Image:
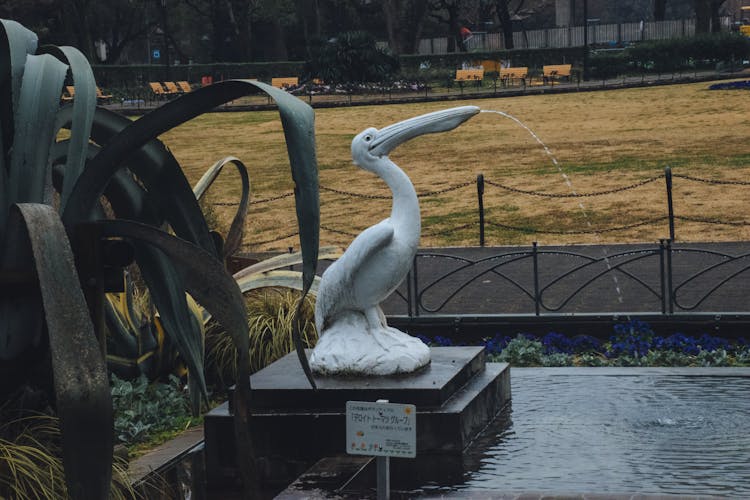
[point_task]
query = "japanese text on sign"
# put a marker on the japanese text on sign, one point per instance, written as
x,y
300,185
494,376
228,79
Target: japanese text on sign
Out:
x,y
381,429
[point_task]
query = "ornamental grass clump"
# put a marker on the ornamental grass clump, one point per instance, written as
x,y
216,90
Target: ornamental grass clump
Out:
x,y
271,316
31,466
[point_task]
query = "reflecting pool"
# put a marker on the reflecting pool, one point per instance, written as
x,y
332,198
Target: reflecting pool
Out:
x,y
618,430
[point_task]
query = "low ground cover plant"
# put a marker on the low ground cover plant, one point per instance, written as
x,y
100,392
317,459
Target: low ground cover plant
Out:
x,y
144,409
633,343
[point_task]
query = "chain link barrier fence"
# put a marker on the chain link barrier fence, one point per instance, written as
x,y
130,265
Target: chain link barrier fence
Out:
x,y
482,221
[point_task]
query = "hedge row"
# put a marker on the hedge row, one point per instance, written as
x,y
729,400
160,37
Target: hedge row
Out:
x,y
659,56
679,54
136,76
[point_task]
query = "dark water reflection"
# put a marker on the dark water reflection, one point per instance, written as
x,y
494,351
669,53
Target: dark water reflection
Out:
x,y
651,433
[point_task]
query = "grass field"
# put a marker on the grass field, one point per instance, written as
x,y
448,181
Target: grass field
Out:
x,y
601,140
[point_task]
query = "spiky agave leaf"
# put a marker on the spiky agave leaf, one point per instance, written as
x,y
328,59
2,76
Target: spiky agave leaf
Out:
x,y
298,123
27,181
34,242
83,113
16,42
206,279
234,236
82,395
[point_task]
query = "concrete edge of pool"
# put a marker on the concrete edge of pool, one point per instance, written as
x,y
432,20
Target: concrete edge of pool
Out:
x,y
159,460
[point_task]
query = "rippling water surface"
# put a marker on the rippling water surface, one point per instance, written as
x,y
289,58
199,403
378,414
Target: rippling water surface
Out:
x,y
650,433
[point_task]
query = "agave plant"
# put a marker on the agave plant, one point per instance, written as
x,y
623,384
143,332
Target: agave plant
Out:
x,y
61,204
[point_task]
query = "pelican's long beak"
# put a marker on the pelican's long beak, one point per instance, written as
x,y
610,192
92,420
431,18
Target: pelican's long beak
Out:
x,y
388,138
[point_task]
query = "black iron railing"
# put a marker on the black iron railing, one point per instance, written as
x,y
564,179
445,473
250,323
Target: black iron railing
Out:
x,y
708,280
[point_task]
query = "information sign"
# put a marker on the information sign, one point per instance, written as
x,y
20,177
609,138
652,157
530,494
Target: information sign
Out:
x,y
156,54
381,429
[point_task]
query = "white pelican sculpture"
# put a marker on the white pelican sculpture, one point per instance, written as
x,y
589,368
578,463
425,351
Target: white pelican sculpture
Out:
x,y
354,336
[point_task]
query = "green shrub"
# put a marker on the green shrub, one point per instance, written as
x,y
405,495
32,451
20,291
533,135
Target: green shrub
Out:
x,y
557,359
351,57
522,351
719,357
143,408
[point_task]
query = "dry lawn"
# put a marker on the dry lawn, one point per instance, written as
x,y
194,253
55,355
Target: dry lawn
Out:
x,y
601,141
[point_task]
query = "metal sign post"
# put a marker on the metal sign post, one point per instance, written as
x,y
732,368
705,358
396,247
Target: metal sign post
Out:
x,y
383,430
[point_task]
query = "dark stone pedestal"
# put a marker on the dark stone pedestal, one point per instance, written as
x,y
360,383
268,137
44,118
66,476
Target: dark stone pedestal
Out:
x,y
293,426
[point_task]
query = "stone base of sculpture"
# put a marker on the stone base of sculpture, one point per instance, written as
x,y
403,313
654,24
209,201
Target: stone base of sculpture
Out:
x,y
293,425
354,347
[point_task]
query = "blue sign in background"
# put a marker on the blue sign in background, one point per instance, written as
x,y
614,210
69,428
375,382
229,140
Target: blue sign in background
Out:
x,y
156,54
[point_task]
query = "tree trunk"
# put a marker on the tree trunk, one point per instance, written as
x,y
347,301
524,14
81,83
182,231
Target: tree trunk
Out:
x,y
715,18
702,15
279,44
78,12
503,14
454,27
404,20
660,9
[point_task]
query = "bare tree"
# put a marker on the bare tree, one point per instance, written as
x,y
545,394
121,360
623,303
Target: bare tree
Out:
x,y
660,9
404,21
506,10
707,15
452,9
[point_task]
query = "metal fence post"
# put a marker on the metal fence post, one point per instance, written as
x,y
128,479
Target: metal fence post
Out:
x,y
480,197
662,277
669,277
670,206
535,260
415,307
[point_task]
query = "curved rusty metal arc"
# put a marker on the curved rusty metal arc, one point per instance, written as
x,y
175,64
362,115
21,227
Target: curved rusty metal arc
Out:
x,y
83,400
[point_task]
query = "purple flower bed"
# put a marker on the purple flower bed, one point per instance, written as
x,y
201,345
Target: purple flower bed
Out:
x,y
741,85
634,340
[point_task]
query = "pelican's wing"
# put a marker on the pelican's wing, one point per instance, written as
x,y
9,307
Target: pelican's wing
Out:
x,y
337,280
369,242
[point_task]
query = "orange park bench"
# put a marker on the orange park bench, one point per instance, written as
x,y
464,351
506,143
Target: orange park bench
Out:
x,y
285,82
469,75
101,96
184,86
554,72
70,94
172,88
157,89
509,75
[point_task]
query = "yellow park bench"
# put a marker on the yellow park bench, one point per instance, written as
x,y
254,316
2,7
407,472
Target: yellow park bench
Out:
x,y
508,75
184,86
554,72
470,75
157,89
166,89
100,95
284,82
70,93
172,88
